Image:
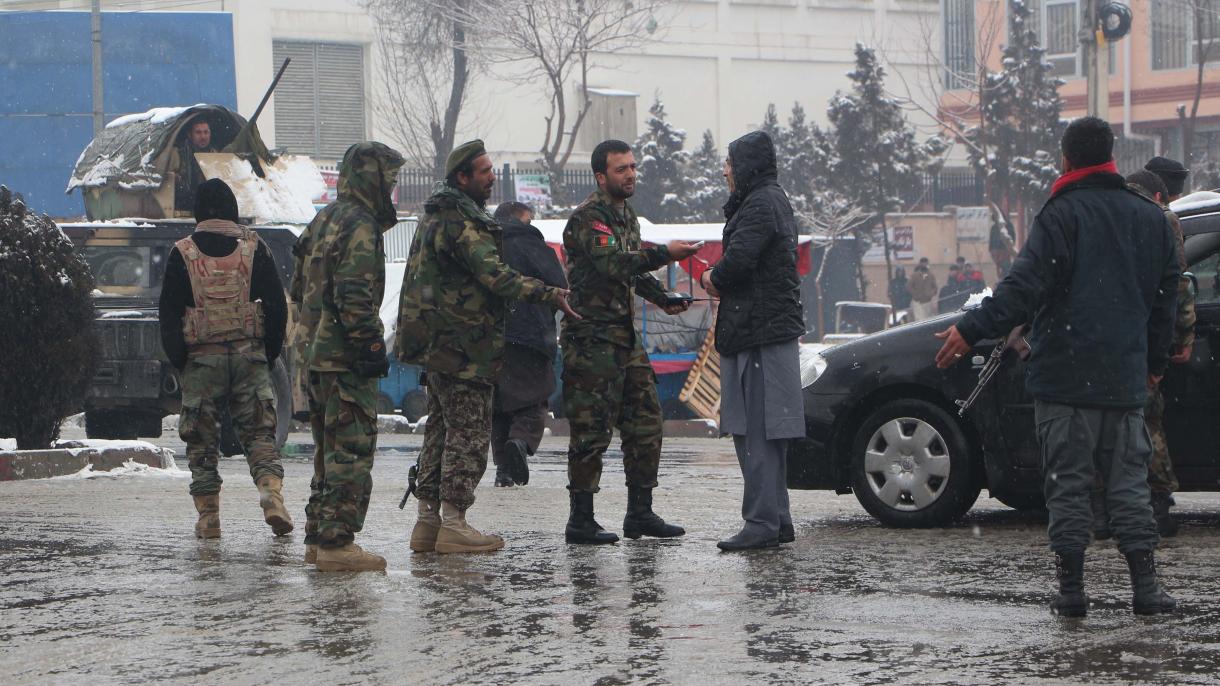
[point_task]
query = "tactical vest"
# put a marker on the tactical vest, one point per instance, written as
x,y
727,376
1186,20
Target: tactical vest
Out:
x,y
223,312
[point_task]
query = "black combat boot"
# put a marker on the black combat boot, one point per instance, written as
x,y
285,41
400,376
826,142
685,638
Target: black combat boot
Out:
x,y
787,533
582,528
1069,570
641,520
1148,596
1165,526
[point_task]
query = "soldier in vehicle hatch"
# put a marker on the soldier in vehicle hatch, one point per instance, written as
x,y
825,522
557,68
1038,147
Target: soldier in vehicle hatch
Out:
x,y
223,316
198,138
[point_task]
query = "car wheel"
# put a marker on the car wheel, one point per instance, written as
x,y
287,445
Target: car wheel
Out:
x,y
415,404
911,465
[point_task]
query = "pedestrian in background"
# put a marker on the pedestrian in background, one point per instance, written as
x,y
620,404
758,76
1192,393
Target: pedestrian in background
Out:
x,y
338,284
899,297
223,315
923,289
527,377
1098,278
759,321
950,298
455,298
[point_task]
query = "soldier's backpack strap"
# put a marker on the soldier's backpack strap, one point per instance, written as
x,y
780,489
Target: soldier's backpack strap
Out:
x,y
189,250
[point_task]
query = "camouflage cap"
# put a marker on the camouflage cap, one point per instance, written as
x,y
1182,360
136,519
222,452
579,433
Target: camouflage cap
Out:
x,y
463,154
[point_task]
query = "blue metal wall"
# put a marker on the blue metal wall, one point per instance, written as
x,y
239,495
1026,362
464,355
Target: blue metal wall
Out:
x,y
150,60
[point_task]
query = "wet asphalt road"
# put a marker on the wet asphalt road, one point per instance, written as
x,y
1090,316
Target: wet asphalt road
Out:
x,y
102,581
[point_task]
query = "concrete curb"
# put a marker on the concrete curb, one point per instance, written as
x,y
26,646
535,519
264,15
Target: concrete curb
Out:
x,y
18,465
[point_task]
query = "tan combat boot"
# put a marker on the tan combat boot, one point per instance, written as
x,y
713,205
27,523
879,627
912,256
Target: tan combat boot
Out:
x,y
272,502
311,554
349,558
456,536
427,526
208,525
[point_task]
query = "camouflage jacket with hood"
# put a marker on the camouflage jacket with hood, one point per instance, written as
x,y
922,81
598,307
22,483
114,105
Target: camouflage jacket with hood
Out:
x,y
606,262
339,276
452,310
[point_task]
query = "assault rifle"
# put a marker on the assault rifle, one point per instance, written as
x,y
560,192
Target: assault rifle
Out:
x,y
1015,341
411,474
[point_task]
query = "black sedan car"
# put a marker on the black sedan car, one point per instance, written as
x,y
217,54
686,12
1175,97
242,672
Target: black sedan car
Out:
x,y
882,421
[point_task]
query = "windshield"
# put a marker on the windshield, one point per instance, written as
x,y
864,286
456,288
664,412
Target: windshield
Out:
x,y
134,270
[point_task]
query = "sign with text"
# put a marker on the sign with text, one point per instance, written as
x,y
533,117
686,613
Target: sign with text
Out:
x,y
331,178
973,223
902,245
534,189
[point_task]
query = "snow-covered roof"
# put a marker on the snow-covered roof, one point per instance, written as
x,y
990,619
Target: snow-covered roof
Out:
x,y
613,92
124,152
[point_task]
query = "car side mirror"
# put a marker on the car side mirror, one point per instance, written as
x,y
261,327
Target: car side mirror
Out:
x,y
1194,284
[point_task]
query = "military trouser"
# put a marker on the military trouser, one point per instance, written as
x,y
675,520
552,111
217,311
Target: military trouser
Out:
x,y
343,418
1161,478
1077,442
606,386
242,381
454,455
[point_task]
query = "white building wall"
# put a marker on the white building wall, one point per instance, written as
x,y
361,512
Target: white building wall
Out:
x,y
716,65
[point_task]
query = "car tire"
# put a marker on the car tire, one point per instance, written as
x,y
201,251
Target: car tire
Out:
x,y
415,404
911,465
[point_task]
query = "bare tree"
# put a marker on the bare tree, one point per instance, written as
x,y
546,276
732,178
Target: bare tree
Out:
x,y
1206,23
833,217
557,42
426,72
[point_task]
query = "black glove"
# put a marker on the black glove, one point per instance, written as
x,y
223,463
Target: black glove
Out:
x,y
372,362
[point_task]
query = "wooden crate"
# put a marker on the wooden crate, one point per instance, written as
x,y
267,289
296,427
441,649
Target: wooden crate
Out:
x,y
701,393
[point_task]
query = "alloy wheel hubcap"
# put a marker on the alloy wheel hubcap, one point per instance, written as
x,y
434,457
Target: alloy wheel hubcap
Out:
x,y
906,464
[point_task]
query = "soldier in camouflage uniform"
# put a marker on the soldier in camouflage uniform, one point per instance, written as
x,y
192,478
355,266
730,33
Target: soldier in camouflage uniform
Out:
x,y
451,322
1161,478
223,315
608,380
338,284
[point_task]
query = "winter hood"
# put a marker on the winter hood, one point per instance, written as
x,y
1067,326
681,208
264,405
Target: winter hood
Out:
x,y
753,160
367,175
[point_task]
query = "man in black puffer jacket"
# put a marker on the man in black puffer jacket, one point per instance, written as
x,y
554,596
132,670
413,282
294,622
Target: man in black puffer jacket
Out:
x,y
757,326
527,378
1098,278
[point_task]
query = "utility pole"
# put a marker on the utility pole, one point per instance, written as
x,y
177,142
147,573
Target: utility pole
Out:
x,y
99,113
1096,61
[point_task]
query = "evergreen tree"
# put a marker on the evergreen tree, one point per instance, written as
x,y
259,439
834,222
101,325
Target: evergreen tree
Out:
x,y
709,191
665,189
798,159
872,154
1016,140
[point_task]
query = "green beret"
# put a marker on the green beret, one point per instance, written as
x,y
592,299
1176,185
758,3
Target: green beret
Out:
x,y
463,154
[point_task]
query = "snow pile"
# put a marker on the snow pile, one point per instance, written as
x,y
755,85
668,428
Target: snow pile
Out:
x,y
285,194
977,298
129,468
7,444
394,424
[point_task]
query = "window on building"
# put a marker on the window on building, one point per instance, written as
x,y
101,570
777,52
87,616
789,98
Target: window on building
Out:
x,y
959,43
1174,43
319,104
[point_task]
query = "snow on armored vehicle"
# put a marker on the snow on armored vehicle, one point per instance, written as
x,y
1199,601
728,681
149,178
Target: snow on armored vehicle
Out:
x,y
129,178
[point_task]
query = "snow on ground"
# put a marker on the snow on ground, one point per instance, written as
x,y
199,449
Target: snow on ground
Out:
x,y
129,468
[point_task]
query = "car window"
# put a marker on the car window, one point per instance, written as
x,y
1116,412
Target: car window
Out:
x,y
1207,271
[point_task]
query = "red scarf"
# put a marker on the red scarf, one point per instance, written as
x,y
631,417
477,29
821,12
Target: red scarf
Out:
x,y
1075,175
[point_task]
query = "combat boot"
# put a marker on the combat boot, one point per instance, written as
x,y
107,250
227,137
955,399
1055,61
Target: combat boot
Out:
x,y
1148,598
642,521
427,526
208,525
349,558
456,536
1165,525
582,527
272,502
1069,570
